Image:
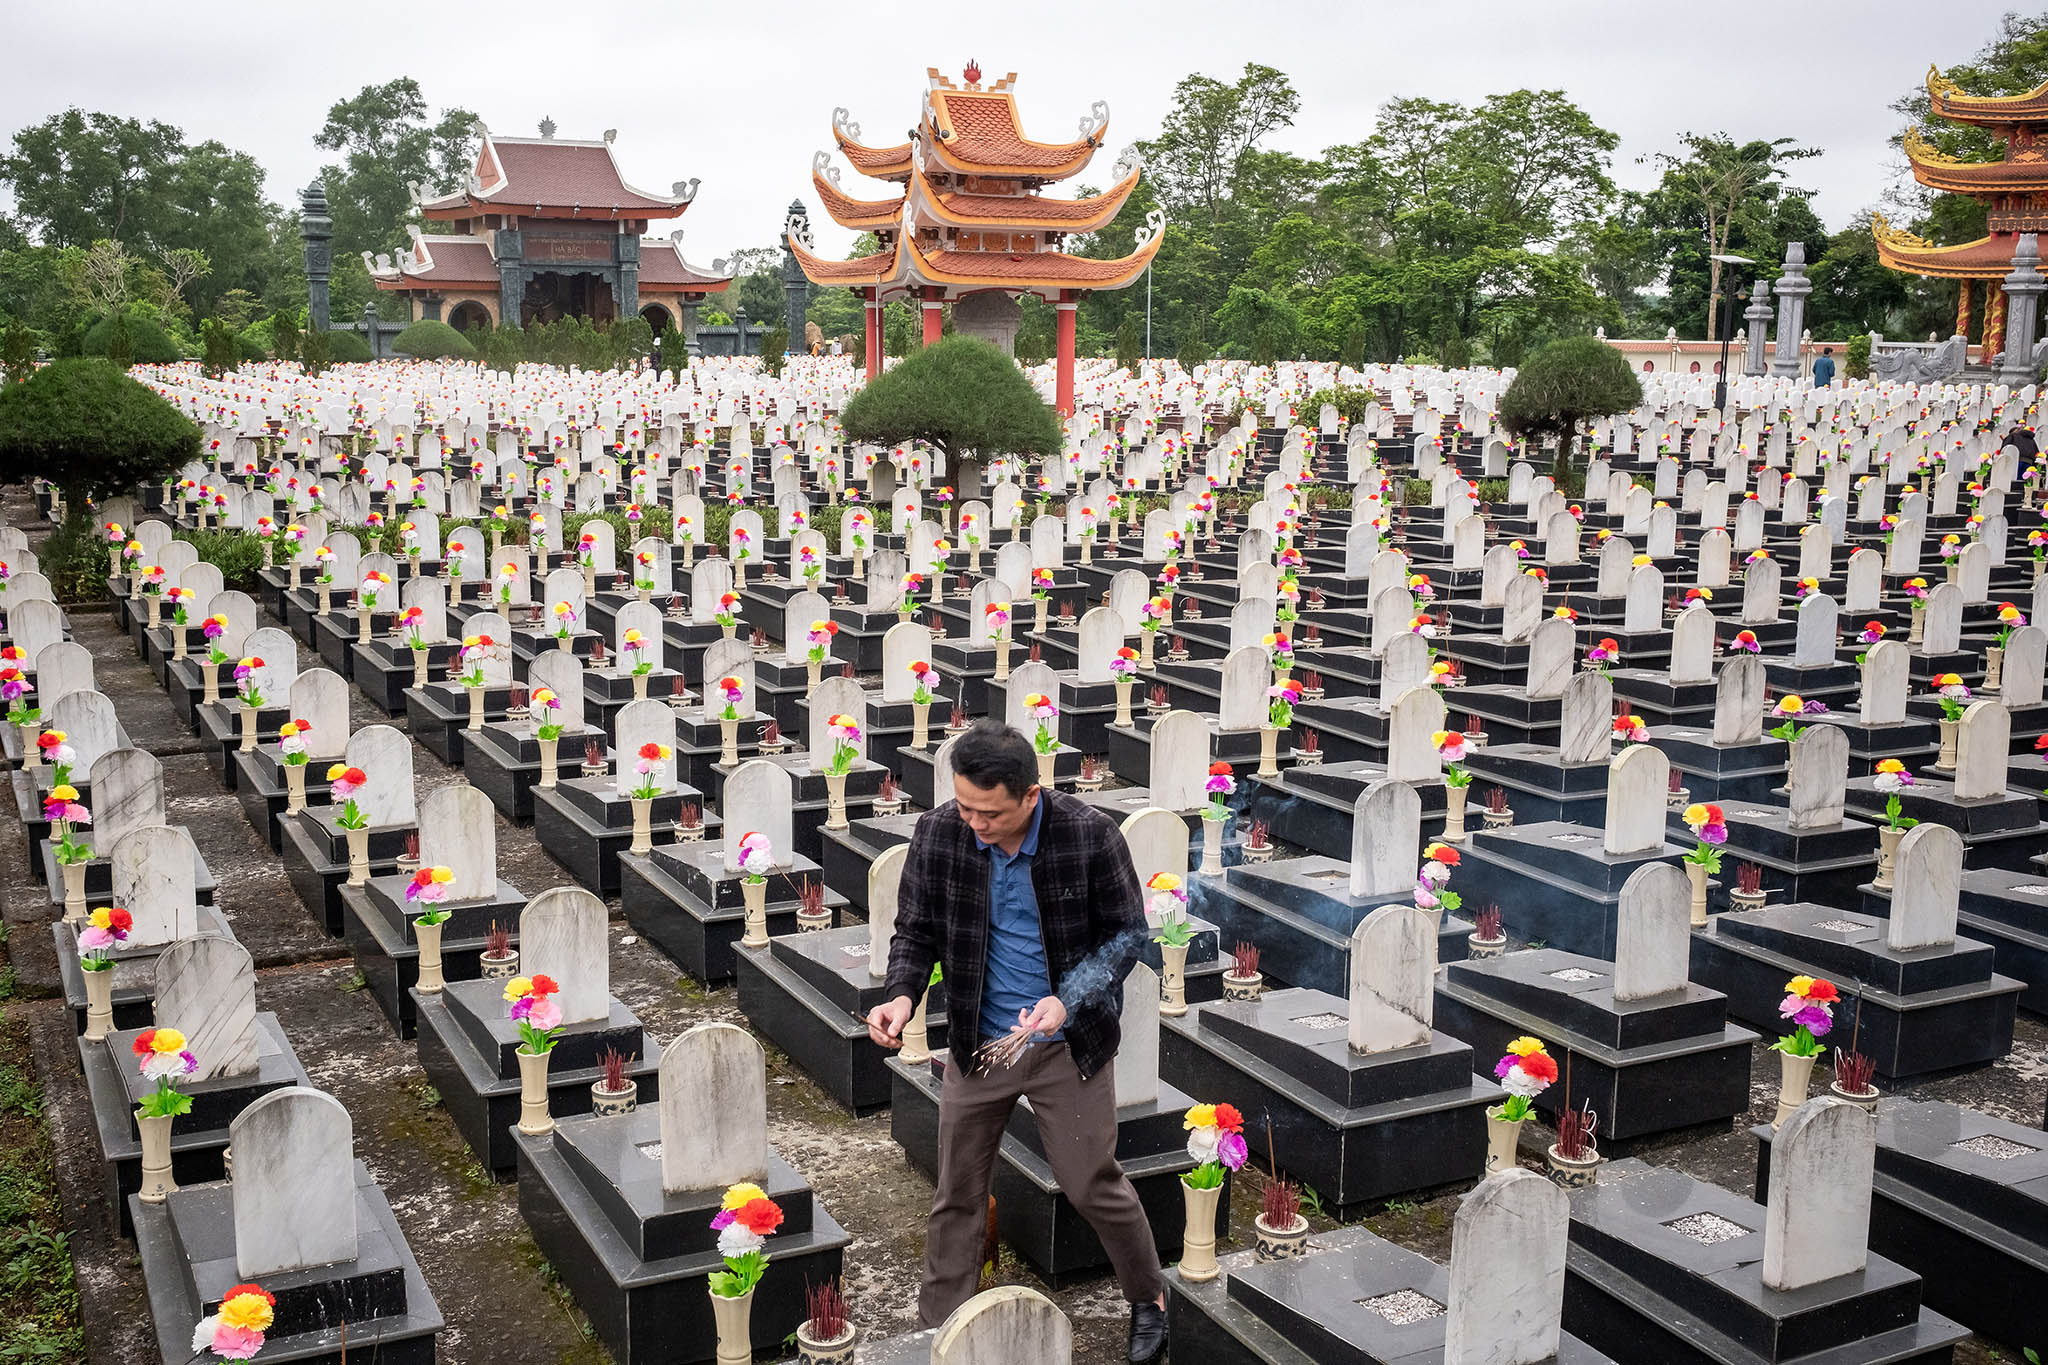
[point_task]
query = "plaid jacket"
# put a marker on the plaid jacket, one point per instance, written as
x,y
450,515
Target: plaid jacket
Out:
x,y
1090,911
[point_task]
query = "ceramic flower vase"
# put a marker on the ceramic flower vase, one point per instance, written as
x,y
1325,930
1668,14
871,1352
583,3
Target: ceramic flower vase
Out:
x,y
1696,874
920,724
177,642
31,753
1454,813
1269,740
639,687
358,855
476,708
326,595
156,611
534,1118
248,729
835,800
114,559
1887,855
1279,1244
1913,636
363,615
294,787
209,679
1045,770
1795,1076
756,897
1946,761
550,766
812,1351
643,825
431,981
590,580
728,742
99,1004
1994,659
1145,644
1173,979
1043,602
565,644
916,1043
734,1319
1003,654
74,892
1198,1242
1212,846
157,1182
1502,1135
1123,700
420,660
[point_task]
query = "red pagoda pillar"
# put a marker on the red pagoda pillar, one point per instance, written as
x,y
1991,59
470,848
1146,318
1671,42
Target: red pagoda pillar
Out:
x,y
872,312
1063,391
934,313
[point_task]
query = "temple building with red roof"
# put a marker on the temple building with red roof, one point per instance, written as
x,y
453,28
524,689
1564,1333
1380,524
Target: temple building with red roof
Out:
x,y
548,228
2014,190
968,225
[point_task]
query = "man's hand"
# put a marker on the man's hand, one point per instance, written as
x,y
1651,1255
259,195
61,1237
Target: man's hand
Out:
x,y
886,1021
1047,1016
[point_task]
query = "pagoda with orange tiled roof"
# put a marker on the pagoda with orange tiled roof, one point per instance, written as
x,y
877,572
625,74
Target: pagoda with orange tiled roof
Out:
x,y
968,224
548,227
2013,189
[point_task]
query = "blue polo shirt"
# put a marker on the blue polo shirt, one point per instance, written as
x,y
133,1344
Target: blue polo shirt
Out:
x,y
1017,977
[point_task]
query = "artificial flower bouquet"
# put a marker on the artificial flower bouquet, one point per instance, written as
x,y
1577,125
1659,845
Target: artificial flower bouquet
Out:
x,y
1216,1142
1525,1072
1044,710
1890,778
234,1331
66,816
1451,748
1810,1004
845,732
1219,785
536,1012
746,1218
1710,826
647,763
343,783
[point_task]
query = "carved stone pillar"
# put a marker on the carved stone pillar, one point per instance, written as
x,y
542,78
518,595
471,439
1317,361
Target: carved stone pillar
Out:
x,y
1758,316
1792,289
2023,289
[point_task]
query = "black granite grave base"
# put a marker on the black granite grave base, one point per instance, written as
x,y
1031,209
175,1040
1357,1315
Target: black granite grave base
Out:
x,y
1356,1128
466,1047
637,1259
2005,830
849,853
384,669
1313,1309
316,859
2009,911
805,993
1034,1215
380,1301
220,734
1715,771
1539,784
1555,883
199,1140
1957,1197
1821,865
585,824
377,924
99,877
680,898
438,715
1640,1290
1300,913
1311,805
1645,1066
1917,1011
261,792
1652,695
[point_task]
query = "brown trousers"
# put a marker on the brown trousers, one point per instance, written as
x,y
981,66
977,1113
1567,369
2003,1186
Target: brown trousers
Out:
x,y
1077,1127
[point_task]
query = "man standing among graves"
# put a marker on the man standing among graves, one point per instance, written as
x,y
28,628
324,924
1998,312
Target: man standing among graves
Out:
x,y
1027,899
1824,368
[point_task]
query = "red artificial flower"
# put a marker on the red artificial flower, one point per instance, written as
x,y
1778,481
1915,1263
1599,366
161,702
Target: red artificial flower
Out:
x,y
258,1290
355,777
2041,743
543,984
831,627
1714,815
120,919
1539,1066
1823,992
1219,770
650,750
1607,643
759,1216
1228,1119
142,1046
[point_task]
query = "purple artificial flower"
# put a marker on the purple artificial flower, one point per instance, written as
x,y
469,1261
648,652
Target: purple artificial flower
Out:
x,y
1814,708
521,1007
1814,1019
1231,1150
723,1221
1714,834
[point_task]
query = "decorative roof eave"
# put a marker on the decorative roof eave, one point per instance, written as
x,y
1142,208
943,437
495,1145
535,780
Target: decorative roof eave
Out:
x,y
857,215
943,140
946,206
415,267
1045,271
480,196
880,270
877,163
697,279
1947,100
1937,170
1983,259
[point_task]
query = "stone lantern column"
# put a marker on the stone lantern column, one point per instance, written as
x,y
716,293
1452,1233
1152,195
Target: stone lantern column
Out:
x,y
1792,289
1758,316
2023,289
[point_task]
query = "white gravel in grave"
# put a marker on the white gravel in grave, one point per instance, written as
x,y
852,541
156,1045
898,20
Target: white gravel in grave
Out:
x,y
1707,1228
1403,1306
1997,1148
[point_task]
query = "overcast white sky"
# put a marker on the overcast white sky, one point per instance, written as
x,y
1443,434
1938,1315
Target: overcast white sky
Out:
x,y
742,94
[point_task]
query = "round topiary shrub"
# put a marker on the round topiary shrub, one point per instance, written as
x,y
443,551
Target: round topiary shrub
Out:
x,y
432,339
91,430
1562,387
345,348
148,344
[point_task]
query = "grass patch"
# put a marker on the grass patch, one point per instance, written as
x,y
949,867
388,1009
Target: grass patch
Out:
x,y
38,1293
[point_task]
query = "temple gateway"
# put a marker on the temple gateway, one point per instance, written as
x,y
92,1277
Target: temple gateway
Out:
x,y
970,226
548,228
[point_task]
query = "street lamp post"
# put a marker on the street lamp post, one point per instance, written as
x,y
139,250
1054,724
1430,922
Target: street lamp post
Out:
x,y
1728,293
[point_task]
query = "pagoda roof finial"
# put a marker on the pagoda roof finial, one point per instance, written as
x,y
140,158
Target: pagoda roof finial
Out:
x,y
547,127
972,75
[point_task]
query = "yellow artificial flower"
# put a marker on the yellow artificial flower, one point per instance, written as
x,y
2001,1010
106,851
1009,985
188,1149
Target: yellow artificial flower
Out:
x,y
1891,765
167,1040
518,987
247,1312
1201,1116
334,773
1525,1046
67,792
1799,985
741,1195
1695,814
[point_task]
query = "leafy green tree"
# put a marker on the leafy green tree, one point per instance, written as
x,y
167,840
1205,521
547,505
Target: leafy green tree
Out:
x,y
1856,357
387,142
120,349
433,339
1208,131
313,352
1564,385
1354,345
284,336
631,339
1193,349
1716,194
675,351
91,430
959,394
218,347
1128,347
774,349
79,177
19,354
347,348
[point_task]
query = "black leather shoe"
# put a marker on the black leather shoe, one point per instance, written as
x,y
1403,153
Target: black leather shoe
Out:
x,y
1148,1333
